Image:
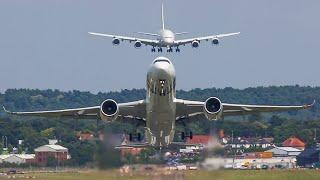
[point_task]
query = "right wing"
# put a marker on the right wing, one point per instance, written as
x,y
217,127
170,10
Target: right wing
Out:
x,y
126,38
132,110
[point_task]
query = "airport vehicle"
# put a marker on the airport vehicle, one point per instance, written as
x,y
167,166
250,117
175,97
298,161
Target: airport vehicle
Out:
x,y
161,109
164,39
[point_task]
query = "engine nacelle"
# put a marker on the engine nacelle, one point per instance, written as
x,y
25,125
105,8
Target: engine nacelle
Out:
x,y
215,41
195,44
116,41
137,44
213,108
109,110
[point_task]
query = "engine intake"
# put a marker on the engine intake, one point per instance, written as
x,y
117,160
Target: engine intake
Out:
x,y
215,41
116,41
213,108
109,110
195,44
137,44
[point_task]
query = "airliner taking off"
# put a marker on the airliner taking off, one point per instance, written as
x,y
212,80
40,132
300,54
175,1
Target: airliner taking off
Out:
x,y
160,110
164,39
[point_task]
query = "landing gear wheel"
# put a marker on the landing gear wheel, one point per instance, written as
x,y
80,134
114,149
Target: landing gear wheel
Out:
x,y
159,49
177,50
153,50
183,136
130,137
191,135
139,137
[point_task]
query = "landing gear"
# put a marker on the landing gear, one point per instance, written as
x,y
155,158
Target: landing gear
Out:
x,y
184,135
153,49
177,50
159,49
169,49
135,137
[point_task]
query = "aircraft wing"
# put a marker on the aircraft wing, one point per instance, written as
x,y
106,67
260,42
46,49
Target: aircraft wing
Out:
x,y
194,109
134,110
187,41
126,38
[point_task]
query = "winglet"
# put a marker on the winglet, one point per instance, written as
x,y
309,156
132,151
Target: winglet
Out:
x,y
5,110
310,105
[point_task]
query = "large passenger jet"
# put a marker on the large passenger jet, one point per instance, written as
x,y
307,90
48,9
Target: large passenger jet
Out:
x,y
160,110
164,39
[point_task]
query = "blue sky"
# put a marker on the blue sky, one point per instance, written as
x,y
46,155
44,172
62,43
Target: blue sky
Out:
x,y
44,44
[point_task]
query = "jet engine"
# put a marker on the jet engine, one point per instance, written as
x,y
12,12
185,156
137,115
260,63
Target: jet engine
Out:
x,y
215,41
109,110
213,108
116,41
137,44
195,44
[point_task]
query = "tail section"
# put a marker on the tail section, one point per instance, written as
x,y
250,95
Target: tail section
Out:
x,y
162,17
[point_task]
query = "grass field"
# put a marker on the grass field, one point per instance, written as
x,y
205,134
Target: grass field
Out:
x,y
221,174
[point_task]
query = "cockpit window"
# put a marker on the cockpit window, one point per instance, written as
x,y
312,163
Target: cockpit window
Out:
x,y
161,60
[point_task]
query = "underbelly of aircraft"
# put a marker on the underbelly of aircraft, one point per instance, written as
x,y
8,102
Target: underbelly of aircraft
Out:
x,y
160,128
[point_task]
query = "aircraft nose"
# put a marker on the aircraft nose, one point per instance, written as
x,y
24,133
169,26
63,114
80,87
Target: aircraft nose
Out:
x,y
162,68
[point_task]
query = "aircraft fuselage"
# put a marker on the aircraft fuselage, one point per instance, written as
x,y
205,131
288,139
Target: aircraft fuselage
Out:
x,y
167,38
160,105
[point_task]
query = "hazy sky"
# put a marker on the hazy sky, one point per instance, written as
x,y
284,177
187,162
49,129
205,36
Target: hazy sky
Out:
x,y
44,44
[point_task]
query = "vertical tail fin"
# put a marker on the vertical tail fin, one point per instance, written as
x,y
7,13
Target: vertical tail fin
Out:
x,y
162,16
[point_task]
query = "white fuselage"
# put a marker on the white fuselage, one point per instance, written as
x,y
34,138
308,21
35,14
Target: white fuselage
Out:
x,y
160,103
167,38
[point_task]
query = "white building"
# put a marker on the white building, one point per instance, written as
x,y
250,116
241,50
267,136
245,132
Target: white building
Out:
x,y
17,158
284,151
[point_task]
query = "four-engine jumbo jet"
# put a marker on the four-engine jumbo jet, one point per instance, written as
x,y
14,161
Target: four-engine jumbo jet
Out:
x,y
165,38
161,109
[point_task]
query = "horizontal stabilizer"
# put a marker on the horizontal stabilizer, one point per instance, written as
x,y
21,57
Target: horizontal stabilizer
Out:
x,y
181,33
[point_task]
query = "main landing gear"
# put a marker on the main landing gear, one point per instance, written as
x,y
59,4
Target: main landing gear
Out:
x,y
135,137
185,135
168,50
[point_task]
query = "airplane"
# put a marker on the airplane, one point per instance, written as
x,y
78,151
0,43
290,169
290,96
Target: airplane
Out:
x,y
165,38
161,110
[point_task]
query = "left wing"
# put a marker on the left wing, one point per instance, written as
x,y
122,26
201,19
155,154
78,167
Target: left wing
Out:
x,y
88,112
126,38
194,109
132,110
211,37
